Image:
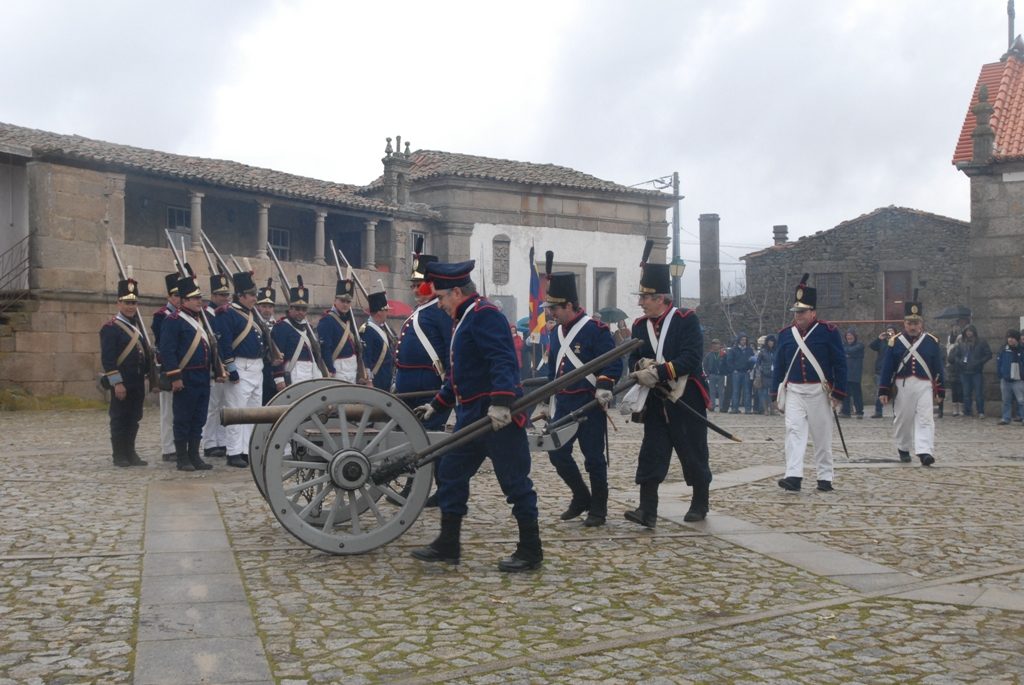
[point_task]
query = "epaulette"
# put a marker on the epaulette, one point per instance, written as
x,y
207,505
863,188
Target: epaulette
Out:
x,y
829,326
784,329
683,313
601,324
173,315
110,323
932,337
362,329
482,304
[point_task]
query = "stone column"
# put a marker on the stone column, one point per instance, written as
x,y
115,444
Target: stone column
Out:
x,y
262,229
710,269
370,245
319,248
196,217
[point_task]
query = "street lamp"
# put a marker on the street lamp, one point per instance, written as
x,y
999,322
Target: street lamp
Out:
x,y
676,267
664,183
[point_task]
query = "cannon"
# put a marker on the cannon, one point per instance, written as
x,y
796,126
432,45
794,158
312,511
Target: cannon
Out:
x,y
347,468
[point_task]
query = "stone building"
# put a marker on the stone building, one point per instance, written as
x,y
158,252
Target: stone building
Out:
x,y
62,197
990,152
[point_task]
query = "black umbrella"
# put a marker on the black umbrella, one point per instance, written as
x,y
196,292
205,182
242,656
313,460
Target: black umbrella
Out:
x,y
612,315
957,311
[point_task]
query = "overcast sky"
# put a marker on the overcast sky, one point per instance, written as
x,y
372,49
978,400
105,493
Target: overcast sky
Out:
x,y
798,112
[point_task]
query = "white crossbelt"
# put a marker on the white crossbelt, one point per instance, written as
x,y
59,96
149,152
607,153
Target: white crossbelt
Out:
x,y
303,341
422,337
564,351
810,357
384,345
912,352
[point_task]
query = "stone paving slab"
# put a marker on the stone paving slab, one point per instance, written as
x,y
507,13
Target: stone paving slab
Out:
x,y
618,604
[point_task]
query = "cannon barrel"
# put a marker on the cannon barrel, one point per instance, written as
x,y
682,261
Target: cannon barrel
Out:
x,y
271,413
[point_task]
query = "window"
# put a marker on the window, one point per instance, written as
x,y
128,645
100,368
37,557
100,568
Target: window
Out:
x,y
281,240
500,259
604,289
178,217
418,236
830,289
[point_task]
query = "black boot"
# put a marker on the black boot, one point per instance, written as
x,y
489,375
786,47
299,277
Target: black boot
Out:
x,y
647,513
698,504
790,483
446,546
133,457
528,555
598,504
117,448
904,456
237,461
926,459
580,495
193,456
181,456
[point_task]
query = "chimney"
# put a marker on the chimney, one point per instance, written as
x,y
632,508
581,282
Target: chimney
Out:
x,y
781,232
710,273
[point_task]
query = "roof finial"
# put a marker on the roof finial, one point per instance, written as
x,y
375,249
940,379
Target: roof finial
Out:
x,y
387,149
407,153
1010,14
398,145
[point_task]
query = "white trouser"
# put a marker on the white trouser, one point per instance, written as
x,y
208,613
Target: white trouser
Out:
x,y
808,410
915,424
166,422
247,392
345,369
214,434
303,371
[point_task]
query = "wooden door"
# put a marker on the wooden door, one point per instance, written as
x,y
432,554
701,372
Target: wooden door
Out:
x,y
897,291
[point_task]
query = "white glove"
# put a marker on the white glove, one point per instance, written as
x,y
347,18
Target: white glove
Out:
x,y
500,417
541,414
604,398
645,362
424,411
647,377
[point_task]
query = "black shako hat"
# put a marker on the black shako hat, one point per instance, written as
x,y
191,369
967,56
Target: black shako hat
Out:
x,y
266,295
128,290
219,285
377,302
805,297
187,287
171,282
561,289
654,278
445,276
299,295
419,266
244,283
345,288
913,309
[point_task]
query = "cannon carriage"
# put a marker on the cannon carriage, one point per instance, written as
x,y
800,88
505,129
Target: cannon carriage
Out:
x,y
347,468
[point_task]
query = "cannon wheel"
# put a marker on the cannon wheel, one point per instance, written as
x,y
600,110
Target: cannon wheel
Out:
x,y
261,431
326,498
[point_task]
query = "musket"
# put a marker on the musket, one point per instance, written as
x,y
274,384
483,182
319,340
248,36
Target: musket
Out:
x,y
184,270
704,420
314,342
147,346
357,342
366,294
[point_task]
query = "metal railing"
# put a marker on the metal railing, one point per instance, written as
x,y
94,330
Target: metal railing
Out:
x,y
14,265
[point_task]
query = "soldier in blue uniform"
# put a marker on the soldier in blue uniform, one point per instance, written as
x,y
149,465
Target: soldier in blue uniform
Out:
x,y
185,351
215,435
166,397
339,336
242,349
577,340
126,361
810,365
669,365
912,380
422,359
297,341
377,352
483,381
265,302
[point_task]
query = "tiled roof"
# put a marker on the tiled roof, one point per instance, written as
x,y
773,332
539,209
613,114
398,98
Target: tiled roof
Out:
x,y
192,169
428,164
845,224
1005,82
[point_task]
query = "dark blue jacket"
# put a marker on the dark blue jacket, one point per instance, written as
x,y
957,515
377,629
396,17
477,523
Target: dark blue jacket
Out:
x,y
329,331
414,367
1008,355
854,359
113,341
593,340
893,369
159,316
740,358
286,337
176,335
483,368
376,347
228,324
826,344
682,350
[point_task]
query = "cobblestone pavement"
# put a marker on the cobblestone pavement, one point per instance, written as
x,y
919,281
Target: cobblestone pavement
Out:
x,y
904,574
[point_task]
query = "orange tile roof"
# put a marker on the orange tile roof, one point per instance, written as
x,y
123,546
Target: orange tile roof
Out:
x,y
1005,82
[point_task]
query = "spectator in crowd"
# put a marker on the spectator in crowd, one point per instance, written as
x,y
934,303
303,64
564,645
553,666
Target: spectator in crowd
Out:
x,y
854,370
764,368
952,368
714,369
1009,364
621,336
972,353
517,341
880,346
741,361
